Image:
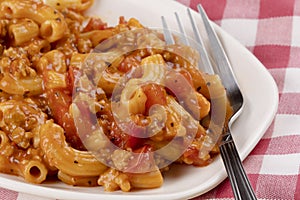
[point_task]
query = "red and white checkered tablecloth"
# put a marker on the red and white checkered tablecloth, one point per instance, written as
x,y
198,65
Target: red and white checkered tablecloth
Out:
x,y
270,29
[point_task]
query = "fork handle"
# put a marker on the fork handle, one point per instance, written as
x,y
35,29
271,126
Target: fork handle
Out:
x,y
238,179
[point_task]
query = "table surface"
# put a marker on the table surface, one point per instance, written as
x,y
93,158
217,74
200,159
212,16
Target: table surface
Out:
x,y
270,29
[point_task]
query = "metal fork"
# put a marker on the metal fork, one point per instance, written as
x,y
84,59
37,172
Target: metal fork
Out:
x,y
239,182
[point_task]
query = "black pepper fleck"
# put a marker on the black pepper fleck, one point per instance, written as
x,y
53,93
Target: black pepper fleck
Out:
x,y
108,64
77,89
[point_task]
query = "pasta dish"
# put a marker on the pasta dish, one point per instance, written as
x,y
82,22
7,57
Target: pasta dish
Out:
x,y
96,105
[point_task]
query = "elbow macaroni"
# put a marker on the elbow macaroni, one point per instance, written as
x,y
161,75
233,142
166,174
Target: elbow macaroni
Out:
x,y
23,31
45,46
68,160
77,5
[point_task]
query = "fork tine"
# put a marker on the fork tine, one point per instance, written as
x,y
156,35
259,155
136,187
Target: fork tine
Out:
x,y
195,28
205,63
223,67
207,66
184,37
167,34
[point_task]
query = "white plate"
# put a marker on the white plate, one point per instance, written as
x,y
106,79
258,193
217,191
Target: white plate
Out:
x,y
261,100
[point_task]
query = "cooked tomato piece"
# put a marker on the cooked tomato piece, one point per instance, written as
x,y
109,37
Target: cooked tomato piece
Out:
x,y
126,140
73,75
192,153
156,94
122,20
143,160
95,24
59,101
129,63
